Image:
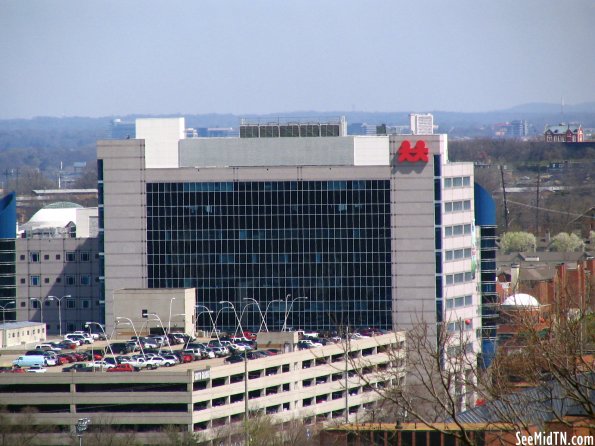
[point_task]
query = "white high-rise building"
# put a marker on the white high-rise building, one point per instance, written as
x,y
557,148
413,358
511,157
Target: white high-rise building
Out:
x,y
421,123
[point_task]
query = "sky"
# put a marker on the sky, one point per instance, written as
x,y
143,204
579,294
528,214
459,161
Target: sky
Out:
x,y
113,58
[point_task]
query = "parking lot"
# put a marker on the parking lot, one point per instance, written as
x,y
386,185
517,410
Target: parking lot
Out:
x,y
8,356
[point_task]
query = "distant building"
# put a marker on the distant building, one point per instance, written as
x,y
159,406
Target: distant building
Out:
x,y
122,129
564,133
57,268
421,124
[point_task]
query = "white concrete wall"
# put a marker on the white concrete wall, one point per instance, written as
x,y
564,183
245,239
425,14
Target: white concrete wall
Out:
x,y
161,137
370,151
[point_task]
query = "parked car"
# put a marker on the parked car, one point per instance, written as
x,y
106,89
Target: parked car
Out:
x,y
140,362
87,338
37,369
173,358
47,347
122,368
78,367
100,365
68,344
220,351
234,358
76,338
120,348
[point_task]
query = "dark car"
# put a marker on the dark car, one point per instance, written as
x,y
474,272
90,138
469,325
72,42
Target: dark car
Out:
x,y
234,358
120,348
78,368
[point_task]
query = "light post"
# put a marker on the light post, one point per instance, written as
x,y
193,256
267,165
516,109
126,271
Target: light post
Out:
x,y
5,307
254,302
169,320
267,310
81,426
88,325
209,312
41,301
290,307
140,344
163,330
234,312
59,299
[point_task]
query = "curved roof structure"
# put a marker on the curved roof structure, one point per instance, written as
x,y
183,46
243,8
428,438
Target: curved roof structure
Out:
x,y
54,215
521,300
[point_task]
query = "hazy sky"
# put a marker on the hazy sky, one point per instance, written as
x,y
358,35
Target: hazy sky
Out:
x,y
100,57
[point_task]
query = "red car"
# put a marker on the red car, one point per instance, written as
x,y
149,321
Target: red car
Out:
x,y
249,335
60,360
122,368
66,358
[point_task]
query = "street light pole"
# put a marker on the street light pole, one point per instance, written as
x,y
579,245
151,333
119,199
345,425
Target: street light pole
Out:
x,y
169,321
41,301
259,311
4,308
234,312
209,312
135,332
162,329
290,307
59,299
88,325
81,426
266,311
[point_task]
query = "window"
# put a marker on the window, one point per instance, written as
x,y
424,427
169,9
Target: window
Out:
x,y
71,280
46,280
456,278
85,257
23,280
85,279
457,182
46,257
457,230
57,256
71,256
458,254
34,257
86,304
34,281
70,303
457,206
34,303
22,257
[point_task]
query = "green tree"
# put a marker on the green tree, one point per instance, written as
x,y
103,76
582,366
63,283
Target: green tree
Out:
x,y
517,242
564,242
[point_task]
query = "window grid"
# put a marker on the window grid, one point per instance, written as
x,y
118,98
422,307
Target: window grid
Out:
x,y
327,240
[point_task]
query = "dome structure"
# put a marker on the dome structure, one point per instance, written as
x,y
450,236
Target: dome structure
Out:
x,y
521,300
55,215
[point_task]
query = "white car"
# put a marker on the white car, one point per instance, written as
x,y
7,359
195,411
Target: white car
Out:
x,y
86,334
100,365
37,369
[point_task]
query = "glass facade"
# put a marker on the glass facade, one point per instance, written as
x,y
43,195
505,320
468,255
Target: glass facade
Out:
x,y
328,241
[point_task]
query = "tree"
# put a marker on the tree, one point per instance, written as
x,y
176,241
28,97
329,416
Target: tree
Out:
x,y
23,430
517,242
542,375
564,242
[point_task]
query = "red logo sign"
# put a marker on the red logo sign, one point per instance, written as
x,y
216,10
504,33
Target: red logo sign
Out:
x,y
413,154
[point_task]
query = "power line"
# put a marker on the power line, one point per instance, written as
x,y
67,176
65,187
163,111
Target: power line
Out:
x,y
550,210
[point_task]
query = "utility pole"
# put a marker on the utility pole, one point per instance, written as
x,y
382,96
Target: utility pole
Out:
x,y
504,197
537,201
246,420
